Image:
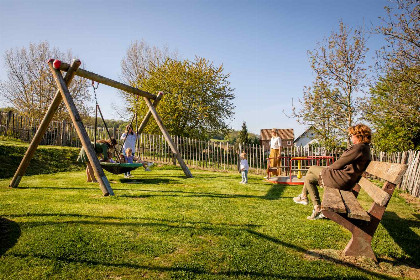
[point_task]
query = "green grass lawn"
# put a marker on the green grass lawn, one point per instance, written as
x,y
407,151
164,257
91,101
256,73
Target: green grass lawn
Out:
x,y
160,225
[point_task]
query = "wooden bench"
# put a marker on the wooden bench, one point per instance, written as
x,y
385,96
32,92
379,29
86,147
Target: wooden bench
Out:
x,y
343,208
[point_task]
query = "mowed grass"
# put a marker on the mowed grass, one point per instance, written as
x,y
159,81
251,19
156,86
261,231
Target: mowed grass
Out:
x,y
160,225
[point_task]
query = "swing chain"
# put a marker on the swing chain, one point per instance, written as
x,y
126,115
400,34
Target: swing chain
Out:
x,y
94,90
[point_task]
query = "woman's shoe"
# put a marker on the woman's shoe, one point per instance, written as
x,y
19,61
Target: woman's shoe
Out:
x,y
301,200
316,214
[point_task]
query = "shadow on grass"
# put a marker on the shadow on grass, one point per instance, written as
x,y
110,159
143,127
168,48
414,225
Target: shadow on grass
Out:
x,y
322,256
192,268
400,230
160,221
149,181
186,194
9,234
56,188
274,192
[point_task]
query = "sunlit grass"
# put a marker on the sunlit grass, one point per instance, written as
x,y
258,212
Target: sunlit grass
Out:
x,y
160,225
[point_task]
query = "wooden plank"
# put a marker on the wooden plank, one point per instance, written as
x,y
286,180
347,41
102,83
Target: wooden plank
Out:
x,y
391,172
81,131
43,127
354,210
109,82
332,201
377,194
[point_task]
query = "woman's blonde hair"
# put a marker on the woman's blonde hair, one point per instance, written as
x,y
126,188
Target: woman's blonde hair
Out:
x,y
362,132
243,155
274,132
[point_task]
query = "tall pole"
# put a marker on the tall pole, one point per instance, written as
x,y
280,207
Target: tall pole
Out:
x,y
149,113
168,139
43,127
81,131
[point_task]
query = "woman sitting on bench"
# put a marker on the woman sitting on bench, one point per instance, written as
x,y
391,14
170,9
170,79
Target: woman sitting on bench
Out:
x,y
343,174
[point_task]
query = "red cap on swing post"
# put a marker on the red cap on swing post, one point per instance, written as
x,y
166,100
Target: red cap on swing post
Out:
x,y
57,64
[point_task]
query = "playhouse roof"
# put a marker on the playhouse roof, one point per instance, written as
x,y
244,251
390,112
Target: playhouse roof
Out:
x,y
286,133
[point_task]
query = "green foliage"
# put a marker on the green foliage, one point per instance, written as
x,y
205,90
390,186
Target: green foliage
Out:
x,y
163,226
8,109
234,137
331,104
393,106
47,159
198,97
243,135
394,112
90,121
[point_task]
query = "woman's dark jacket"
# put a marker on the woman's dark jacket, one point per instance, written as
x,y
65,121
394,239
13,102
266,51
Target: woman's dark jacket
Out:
x,y
345,172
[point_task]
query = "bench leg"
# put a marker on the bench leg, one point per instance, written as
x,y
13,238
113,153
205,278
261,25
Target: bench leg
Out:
x,y
359,245
360,242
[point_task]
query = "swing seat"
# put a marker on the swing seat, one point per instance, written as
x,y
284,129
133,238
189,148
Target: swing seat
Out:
x,y
119,168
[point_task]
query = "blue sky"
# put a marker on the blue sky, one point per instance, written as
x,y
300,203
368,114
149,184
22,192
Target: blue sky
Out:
x,y
262,44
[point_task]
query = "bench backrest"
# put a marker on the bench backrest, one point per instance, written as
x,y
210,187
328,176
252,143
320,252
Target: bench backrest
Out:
x,y
391,173
345,202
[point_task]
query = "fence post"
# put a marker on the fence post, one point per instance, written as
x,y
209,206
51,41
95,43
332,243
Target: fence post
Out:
x,y
8,119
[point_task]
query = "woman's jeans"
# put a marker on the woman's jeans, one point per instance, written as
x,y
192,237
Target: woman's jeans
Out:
x,y
311,184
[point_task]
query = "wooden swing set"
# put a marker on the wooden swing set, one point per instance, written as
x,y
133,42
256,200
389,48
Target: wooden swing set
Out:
x,y
63,93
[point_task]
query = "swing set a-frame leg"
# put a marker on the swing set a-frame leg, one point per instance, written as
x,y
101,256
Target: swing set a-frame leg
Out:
x,y
168,138
81,131
149,113
20,172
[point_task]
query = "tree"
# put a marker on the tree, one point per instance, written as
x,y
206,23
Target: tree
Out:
x,y
243,135
331,104
140,59
198,98
393,111
393,104
30,87
401,29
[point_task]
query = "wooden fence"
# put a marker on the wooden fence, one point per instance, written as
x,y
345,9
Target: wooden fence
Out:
x,y
218,155
212,155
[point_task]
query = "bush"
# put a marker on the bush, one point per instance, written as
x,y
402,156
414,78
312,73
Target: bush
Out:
x,y
47,159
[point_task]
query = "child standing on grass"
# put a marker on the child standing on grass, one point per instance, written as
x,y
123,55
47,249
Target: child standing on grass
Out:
x,y
244,168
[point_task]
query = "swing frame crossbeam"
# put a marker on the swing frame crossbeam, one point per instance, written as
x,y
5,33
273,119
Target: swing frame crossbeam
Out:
x,y
63,94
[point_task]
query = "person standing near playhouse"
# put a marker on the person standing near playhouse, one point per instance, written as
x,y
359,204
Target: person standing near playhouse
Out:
x,y
275,150
130,138
244,168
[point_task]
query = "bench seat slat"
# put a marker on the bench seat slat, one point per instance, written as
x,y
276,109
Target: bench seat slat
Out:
x,y
332,201
354,210
377,194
